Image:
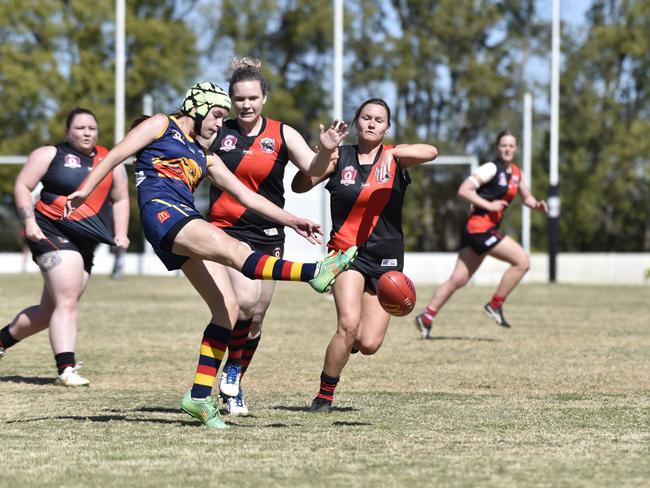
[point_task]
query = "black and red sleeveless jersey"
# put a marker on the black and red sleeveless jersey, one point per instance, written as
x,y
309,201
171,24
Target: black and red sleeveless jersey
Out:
x,y
367,212
503,186
66,173
259,163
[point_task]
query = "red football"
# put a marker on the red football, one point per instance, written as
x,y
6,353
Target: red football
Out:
x,y
396,293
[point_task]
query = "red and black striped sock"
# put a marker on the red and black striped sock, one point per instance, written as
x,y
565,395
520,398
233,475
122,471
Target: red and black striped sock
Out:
x,y
238,340
6,339
213,348
260,266
248,352
63,360
327,387
497,301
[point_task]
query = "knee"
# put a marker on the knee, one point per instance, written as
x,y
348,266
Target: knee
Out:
x,y
348,327
368,348
524,264
458,282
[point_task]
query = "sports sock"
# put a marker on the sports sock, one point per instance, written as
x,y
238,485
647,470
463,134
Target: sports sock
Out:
x,y
327,387
63,360
260,266
248,352
497,301
213,348
428,315
6,339
238,340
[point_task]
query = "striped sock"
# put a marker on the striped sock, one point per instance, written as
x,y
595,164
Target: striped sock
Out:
x,y
260,266
497,301
249,352
238,340
63,360
428,315
6,339
213,348
327,387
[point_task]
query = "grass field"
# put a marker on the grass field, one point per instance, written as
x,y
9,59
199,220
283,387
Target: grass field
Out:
x,y
562,399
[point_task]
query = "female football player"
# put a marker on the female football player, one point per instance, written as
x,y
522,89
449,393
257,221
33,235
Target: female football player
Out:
x,y
367,183
169,166
490,190
256,149
64,249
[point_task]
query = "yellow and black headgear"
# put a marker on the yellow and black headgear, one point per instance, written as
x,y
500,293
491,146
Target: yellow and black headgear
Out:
x,y
201,98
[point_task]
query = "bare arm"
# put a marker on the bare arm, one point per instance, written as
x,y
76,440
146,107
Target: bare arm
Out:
x,y
35,168
467,192
120,200
302,183
410,155
138,138
221,176
529,200
310,162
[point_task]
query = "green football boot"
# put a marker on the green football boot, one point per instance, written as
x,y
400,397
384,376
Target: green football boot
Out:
x,y
204,410
330,267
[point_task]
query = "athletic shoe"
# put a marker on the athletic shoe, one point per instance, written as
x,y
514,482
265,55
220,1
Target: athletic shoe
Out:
x,y
235,406
330,267
496,314
204,410
423,327
70,377
320,405
229,381
2,352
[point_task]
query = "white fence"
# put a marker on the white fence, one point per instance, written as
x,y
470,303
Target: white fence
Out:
x,y
421,267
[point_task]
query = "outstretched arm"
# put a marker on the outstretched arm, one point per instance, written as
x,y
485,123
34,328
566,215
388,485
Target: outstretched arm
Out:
x,y
221,176
310,162
302,183
137,139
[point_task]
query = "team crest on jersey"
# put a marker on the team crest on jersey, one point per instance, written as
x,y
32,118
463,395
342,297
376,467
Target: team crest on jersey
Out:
x,y
381,179
503,181
71,161
348,175
177,135
268,145
163,215
515,179
229,143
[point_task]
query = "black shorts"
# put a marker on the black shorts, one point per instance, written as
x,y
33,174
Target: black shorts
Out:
x,y
275,248
57,240
481,242
372,262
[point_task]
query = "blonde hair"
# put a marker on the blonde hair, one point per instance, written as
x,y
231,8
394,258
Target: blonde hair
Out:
x,y
246,69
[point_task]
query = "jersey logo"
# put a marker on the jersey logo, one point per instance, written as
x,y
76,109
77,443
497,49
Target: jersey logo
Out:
x,y
177,135
392,262
271,232
515,179
348,175
229,143
491,240
381,179
163,215
71,161
268,145
502,179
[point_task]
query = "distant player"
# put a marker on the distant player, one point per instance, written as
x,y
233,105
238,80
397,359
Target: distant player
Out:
x,y
367,184
257,150
490,190
64,249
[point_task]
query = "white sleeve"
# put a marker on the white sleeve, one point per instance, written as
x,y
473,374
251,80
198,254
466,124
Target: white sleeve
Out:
x,y
484,173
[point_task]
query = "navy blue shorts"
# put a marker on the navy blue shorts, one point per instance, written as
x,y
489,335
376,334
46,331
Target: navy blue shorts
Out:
x,y
162,220
481,242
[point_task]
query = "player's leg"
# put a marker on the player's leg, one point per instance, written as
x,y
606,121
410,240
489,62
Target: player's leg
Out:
x,y
197,238
27,322
65,281
373,326
211,281
466,265
510,251
348,290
